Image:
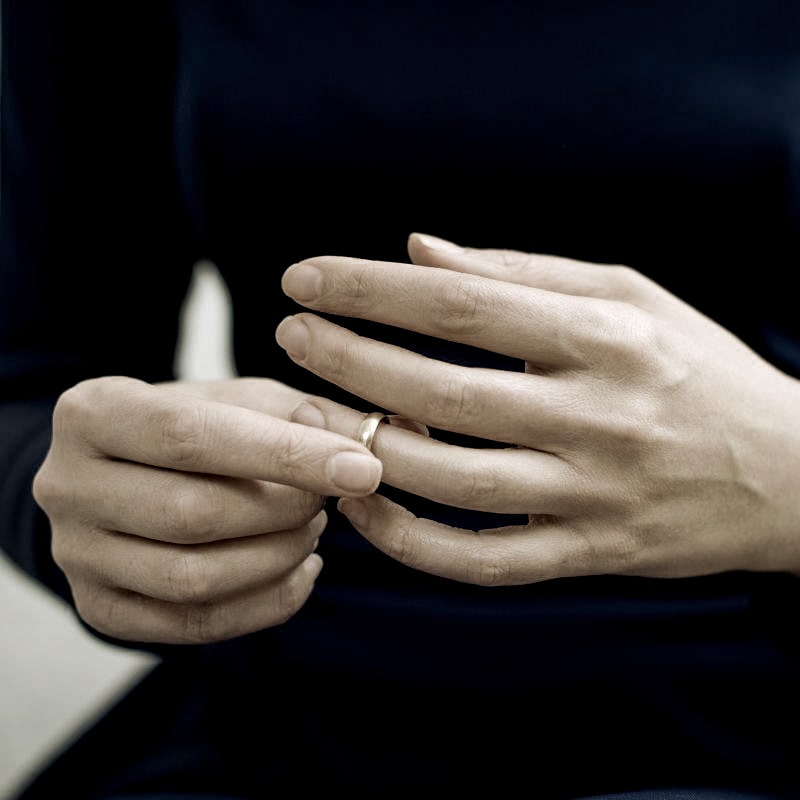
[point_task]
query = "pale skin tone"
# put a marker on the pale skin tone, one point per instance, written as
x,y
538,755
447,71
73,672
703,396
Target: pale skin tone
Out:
x,y
190,512
640,438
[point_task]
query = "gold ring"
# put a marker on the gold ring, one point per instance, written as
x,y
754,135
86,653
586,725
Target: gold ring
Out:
x,y
366,430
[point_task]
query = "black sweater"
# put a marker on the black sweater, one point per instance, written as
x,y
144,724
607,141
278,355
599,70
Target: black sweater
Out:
x,y
140,137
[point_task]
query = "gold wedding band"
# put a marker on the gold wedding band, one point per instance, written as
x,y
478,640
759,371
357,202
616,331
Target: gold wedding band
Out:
x,y
366,430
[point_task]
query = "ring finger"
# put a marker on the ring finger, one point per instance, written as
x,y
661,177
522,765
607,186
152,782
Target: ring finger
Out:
x,y
507,480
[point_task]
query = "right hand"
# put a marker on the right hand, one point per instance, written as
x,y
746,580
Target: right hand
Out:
x,y
189,512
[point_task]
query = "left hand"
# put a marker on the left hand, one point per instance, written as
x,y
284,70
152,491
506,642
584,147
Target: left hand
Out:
x,y
647,439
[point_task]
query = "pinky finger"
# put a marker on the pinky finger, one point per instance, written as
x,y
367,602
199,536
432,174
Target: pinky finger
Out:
x,y
134,617
503,556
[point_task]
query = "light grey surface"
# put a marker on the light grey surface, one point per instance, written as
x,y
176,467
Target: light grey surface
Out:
x,y
54,676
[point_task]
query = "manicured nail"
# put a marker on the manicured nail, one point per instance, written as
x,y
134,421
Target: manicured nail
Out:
x,y
354,510
354,472
307,414
292,335
302,282
435,243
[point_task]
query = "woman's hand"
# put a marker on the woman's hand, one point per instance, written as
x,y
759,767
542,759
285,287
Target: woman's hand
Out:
x,y
646,439
189,512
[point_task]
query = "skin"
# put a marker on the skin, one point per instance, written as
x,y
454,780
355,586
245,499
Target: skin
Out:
x,y
190,512
640,437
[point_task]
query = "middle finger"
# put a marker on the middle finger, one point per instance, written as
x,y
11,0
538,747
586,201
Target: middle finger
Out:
x,y
499,405
182,507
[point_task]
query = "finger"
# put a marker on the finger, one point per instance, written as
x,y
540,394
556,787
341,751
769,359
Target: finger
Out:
x,y
137,617
185,574
554,273
184,507
550,272
319,412
522,322
503,556
500,480
161,428
535,411
258,394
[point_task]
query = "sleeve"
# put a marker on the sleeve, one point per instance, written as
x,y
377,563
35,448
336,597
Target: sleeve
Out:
x,y
96,250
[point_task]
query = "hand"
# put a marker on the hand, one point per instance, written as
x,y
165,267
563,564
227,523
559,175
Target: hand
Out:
x,y
647,440
189,512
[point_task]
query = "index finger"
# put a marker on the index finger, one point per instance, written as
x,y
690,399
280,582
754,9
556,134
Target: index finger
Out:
x,y
154,426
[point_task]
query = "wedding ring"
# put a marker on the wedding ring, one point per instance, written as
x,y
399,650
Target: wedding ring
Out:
x,y
366,430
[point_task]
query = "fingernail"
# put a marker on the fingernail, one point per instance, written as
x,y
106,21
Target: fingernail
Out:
x,y
435,243
302,282
307,414
314,565
292,335
354,510
354,472
318,524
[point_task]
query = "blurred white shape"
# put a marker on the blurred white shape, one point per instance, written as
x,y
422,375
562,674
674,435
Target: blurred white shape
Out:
x,y
205,344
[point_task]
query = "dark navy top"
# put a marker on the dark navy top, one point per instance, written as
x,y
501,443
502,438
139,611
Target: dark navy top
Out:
x,y
141,137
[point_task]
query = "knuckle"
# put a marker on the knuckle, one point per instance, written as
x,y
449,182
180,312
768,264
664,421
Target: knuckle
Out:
x,y
46,489
457,303
625,336
190,577
98,617
202,624
638,334
626,552
292,451
72,404
60,551
204,621
360,294
602,548
104,610
474,488
626,283
67,404
83,397
331,359
516,259
210,622
489,565
191,516
182,431
405,545
451,399
56,494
